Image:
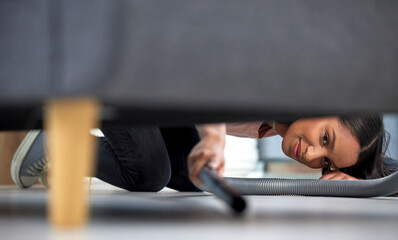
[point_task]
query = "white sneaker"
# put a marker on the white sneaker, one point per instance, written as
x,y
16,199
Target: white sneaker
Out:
x,y
29,162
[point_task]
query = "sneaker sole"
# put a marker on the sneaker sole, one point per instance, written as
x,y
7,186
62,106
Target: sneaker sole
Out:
x,y
19,156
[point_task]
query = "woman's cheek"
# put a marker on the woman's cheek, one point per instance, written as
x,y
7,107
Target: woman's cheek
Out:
x,y
285,147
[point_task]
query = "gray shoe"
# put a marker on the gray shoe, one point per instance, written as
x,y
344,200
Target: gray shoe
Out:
x,y
29,162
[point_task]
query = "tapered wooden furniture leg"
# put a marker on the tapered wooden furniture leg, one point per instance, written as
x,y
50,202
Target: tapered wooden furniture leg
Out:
x,y
71,157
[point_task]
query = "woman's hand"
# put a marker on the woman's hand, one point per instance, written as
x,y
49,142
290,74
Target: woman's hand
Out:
x,y
208,152
337,175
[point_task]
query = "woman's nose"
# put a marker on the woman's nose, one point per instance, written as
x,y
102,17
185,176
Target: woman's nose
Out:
x,y
313,153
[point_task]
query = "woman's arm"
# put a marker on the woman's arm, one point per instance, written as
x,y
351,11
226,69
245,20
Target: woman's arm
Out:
x,y
209,151
337,175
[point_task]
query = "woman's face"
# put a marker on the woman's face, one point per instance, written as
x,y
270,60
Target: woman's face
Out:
x,y
310,141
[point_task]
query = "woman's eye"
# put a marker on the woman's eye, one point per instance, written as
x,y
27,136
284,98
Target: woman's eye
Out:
x,y
325,139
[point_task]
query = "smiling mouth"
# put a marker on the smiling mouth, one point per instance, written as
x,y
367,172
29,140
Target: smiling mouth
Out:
x,y
296,149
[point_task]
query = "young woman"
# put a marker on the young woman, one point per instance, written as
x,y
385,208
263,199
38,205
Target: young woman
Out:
x,y
346,147
150,158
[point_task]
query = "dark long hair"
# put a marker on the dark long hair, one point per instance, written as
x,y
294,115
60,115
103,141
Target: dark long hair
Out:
x,y
373,142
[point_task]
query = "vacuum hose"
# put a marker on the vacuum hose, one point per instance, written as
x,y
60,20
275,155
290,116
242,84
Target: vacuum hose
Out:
x,y
316,187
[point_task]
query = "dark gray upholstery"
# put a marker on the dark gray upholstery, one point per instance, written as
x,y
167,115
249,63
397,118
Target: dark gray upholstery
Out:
x,y
193,61
25,51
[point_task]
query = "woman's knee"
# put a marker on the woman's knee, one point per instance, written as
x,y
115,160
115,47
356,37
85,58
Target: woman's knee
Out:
x,y
136,159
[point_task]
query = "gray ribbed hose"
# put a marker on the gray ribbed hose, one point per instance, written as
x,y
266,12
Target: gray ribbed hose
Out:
x,y
316,187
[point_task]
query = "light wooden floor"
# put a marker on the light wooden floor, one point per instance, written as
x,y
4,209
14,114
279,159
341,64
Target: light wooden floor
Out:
x,y
118,214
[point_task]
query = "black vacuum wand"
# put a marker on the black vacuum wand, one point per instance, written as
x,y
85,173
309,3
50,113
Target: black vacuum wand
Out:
x,y
219,187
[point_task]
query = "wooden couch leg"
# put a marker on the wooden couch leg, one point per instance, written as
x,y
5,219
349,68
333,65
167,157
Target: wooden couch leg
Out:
x,y
71,156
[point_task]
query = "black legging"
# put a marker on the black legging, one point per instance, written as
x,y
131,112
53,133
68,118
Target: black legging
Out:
x,y
146,158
